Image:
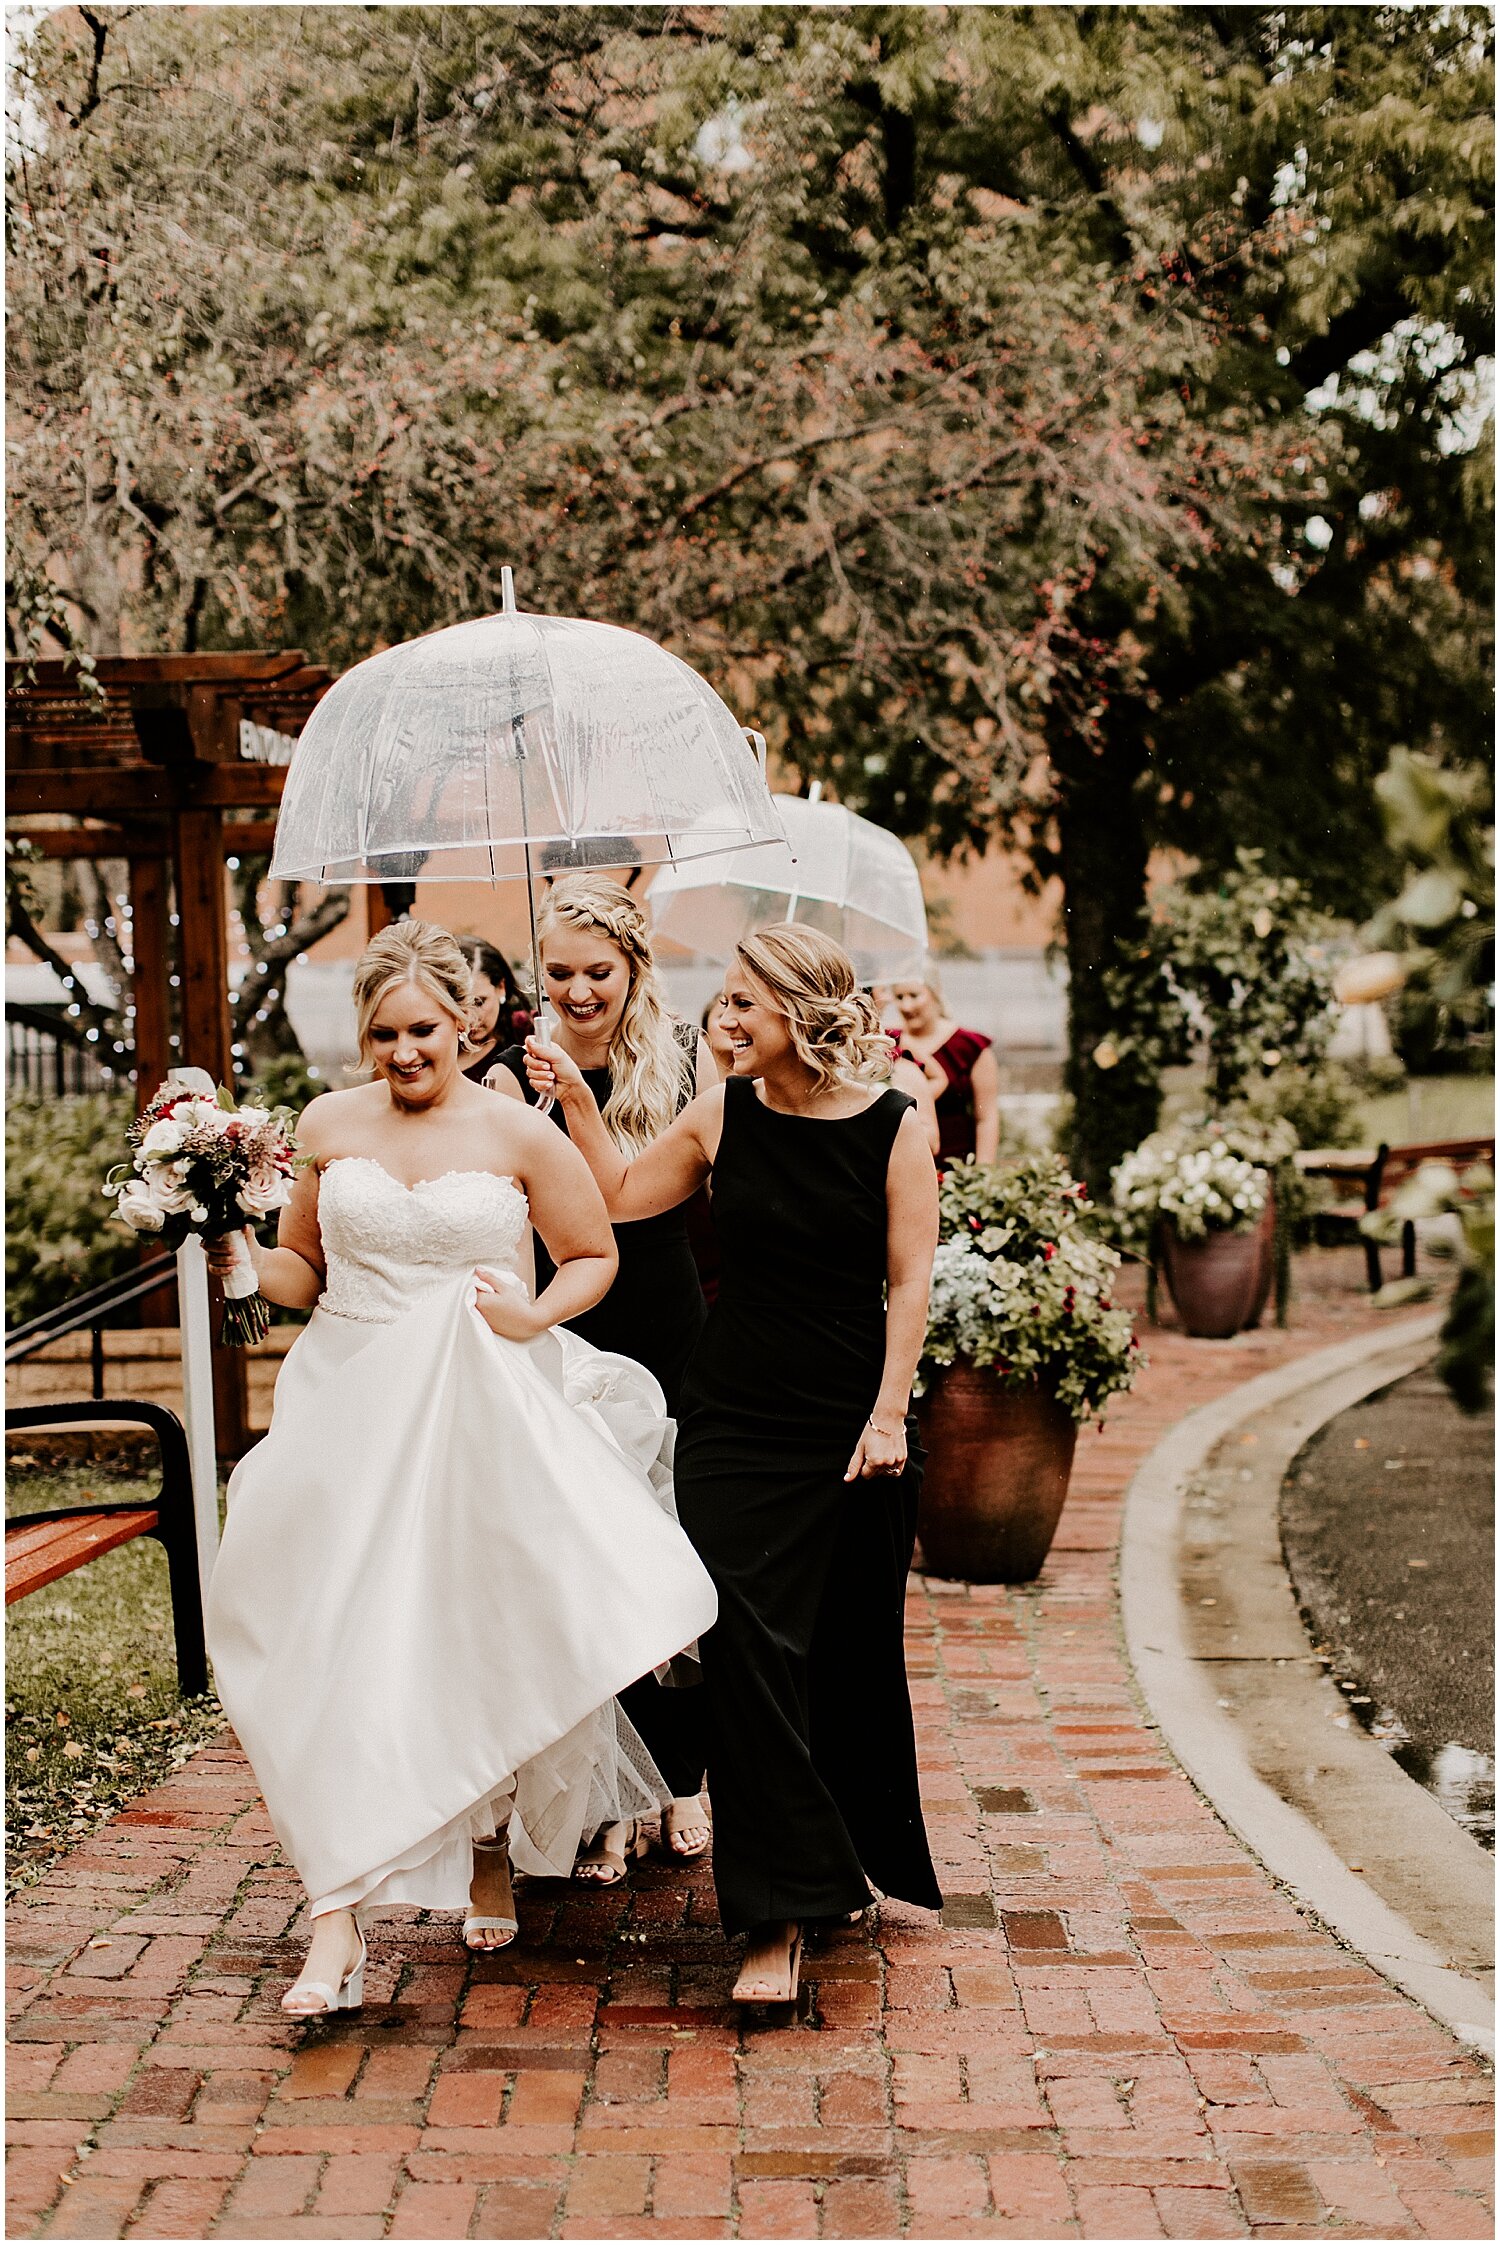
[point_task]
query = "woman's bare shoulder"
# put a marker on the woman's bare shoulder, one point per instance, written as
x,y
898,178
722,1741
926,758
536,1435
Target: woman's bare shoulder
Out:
x,y
323,1119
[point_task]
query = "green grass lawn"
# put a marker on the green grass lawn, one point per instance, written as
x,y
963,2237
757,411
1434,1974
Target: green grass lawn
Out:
x,y
92,1712
1430,1107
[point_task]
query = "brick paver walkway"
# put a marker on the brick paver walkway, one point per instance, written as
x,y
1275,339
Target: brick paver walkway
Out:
x,y
1123,2029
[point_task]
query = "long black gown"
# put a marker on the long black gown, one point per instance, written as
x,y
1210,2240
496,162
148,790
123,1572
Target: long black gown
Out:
x,y
812,1764
654,1312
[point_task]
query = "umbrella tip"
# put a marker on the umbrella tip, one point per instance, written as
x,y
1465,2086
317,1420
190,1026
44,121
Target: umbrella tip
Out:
x,y
507,591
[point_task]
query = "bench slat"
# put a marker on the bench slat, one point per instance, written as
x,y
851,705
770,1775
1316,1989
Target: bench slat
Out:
x,y
37,1553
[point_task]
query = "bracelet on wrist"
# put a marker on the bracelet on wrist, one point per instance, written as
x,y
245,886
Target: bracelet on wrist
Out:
x,y
889,1433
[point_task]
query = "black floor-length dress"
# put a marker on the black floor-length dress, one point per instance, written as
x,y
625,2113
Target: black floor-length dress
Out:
x,y
654,1313
812,1762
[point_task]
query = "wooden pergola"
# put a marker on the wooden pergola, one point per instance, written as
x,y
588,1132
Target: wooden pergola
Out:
x,y
175,762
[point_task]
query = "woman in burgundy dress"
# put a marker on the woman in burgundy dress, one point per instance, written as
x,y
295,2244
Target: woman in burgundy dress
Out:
x,y
961,1067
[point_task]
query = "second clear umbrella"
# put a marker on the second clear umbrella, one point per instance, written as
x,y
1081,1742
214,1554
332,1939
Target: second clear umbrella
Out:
x,y
833,870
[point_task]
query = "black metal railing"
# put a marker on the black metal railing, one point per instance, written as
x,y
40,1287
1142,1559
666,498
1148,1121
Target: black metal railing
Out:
x,y
42,1064
93,1311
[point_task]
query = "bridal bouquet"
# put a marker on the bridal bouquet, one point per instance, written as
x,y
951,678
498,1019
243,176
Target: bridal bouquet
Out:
x,y
201,1164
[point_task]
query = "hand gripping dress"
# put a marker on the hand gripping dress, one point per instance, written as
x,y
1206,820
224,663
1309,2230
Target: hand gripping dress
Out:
x,y
812,1765
446,1557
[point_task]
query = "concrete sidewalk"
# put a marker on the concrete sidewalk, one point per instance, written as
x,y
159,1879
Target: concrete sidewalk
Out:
x,y
1122,2029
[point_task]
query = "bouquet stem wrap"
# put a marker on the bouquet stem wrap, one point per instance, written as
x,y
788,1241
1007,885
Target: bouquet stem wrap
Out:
x,y
246,1316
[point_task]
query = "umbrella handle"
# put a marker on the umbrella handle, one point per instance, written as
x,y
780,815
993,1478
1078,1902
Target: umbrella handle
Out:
x,y
545,1105
758,743
545,1101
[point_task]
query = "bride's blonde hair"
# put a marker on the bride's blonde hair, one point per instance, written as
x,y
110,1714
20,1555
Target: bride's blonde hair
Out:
x,y
409,951
648,1061
833,1024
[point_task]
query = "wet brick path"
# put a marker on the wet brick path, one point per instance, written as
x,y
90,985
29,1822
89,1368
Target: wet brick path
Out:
x,y
1122,2028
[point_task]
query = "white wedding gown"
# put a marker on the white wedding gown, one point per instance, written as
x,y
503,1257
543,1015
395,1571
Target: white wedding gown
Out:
x,y
445,1558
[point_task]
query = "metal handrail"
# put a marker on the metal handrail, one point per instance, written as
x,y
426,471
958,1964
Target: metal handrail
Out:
x,y
89,1309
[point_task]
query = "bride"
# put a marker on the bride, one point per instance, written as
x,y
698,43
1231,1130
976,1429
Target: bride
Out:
x,y
449,1553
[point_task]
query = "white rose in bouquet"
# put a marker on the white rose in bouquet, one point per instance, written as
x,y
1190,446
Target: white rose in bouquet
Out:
x,y
164,1139
136,1208
166,1190
264,1190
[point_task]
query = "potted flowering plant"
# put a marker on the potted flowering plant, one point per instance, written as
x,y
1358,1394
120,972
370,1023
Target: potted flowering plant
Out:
x,y
1023,1343
1200,1196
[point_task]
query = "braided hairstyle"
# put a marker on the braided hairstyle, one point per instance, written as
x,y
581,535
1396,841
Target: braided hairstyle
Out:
x,y
833,1024
647,1058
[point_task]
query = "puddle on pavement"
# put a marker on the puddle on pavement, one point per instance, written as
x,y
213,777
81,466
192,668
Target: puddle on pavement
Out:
x,y
1461,1781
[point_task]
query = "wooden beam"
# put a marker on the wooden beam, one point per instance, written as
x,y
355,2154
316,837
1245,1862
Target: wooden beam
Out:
x,y
162,670
151,948
253,837
92,793
88,792
202,942
239,787
250,838
94,841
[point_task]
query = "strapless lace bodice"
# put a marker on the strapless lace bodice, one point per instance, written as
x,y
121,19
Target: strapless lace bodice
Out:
x,y
385,1242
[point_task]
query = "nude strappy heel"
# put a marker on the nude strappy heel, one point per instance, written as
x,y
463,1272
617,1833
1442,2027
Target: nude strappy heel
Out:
x,y
476,1924
347,1996
604,1864
770,1990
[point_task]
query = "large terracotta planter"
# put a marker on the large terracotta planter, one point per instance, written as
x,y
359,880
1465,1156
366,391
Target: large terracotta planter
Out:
x,y
1265,1233
1219,1282
996,1479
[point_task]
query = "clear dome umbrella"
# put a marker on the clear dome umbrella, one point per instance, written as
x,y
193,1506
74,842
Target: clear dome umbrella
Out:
x,y
515,745
833,870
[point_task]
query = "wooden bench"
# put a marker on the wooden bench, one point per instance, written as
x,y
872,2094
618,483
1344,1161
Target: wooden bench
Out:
x,y
1379,1174
41,1547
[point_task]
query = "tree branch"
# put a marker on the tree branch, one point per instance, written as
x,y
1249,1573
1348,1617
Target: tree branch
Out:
x,y
1082,159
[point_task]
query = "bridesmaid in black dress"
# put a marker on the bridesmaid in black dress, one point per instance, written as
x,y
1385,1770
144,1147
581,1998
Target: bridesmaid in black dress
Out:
x,y
797,1467
640,1068
498,1014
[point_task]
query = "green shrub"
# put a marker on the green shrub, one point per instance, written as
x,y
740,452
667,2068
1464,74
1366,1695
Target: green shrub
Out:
x,y
61,1236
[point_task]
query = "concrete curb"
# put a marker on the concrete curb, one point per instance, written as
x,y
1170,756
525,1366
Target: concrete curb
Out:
x,y
1181,1680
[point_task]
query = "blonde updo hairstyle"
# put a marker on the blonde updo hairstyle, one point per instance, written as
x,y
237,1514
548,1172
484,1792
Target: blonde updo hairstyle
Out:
x,y
833,1024
648,1062
416,952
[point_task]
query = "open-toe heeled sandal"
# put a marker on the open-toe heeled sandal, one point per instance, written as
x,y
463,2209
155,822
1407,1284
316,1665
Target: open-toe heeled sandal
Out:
x,y
475,1923
687,1811
606,1862
771,1987
349,1995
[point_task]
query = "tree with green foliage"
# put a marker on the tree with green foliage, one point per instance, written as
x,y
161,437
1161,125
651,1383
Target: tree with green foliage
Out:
x,y
1056,425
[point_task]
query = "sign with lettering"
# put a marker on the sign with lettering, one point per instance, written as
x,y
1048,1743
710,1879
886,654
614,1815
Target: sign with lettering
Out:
x,y
262,744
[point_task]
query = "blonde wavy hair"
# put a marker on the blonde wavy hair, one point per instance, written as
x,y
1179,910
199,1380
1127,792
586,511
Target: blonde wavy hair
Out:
x,y
648,1060
834,1025
409,951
